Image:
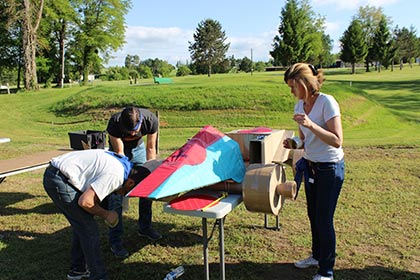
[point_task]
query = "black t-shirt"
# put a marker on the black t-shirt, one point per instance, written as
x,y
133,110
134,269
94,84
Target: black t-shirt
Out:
x,y
149,125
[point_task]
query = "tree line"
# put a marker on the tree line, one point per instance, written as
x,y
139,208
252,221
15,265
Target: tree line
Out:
x,y
53,41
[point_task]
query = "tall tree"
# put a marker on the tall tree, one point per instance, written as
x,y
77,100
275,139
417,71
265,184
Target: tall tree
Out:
x,y
10,43
408,44
353,45
382,50
58,17
369,18
209,47
132,61
99,29
32,14
28,13
297,32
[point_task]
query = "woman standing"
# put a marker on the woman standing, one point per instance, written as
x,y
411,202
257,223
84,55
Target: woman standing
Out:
x,y
320,131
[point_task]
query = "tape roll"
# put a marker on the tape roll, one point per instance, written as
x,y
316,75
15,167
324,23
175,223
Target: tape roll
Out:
x,y
259,189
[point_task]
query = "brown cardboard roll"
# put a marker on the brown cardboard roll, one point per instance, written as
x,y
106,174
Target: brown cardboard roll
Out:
x,y
259,189
227,186
287,189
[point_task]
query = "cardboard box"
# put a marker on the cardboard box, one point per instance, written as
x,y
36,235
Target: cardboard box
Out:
x,y
87,139
266,147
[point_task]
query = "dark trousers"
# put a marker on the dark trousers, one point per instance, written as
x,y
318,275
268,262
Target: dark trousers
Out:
x,y
322,190
138,157
85,248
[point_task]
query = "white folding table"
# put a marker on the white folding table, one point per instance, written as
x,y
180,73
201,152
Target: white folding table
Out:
x,y
218,212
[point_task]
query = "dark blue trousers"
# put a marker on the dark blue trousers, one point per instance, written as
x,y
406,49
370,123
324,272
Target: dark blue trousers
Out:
x,y
322,188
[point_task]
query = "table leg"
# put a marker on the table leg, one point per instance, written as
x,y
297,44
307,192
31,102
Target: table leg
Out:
x,y
222,248
205,249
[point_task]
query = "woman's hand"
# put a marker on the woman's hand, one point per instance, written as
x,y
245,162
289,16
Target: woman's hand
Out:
x,y
303,119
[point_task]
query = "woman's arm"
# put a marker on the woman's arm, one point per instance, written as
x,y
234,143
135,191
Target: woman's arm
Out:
x,y
333,135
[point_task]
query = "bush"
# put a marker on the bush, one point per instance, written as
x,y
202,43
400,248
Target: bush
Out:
x,y
183,70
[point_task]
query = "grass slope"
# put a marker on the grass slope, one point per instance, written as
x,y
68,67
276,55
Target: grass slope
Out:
x,y
377,220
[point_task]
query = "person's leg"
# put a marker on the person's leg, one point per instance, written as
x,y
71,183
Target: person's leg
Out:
x,y
114,202
138,157
330,179
115,234
311,194
77,257
85,229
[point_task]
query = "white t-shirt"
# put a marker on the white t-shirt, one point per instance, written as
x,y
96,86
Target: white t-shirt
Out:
x,y
95,168
324,109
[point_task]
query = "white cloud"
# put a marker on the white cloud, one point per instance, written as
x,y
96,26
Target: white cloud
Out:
x,y
261,45
353,4
171,44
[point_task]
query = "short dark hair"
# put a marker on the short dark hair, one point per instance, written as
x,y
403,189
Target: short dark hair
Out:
x,y
130,118
138,174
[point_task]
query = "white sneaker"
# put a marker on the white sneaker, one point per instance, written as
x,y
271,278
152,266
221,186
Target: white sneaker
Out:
x,y
308,262
320,277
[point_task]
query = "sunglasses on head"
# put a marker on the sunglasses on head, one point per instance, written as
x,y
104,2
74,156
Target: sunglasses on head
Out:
x,y
314,70
137,126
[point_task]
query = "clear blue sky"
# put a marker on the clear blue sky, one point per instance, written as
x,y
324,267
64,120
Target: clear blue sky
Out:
x,y
162,29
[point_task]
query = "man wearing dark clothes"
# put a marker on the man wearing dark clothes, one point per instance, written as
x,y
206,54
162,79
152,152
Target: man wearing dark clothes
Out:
x,y
126,130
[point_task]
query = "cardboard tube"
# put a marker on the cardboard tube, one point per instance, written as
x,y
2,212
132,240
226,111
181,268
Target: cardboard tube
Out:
x,y
227,186
259,188
287,189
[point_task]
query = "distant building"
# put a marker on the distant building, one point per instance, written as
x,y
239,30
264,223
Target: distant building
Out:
x,y
91,77
339,64
275,68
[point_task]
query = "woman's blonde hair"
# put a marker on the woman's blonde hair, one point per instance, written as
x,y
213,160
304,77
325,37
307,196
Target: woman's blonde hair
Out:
x,y
307,75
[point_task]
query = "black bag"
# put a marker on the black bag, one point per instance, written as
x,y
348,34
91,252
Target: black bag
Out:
x,y
87,139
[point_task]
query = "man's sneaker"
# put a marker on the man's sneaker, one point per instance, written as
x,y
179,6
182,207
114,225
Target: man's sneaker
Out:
x,y
320,277
119,251
76,275
308,262
150,233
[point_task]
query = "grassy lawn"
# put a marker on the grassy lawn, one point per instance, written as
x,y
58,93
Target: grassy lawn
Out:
x,y
376,220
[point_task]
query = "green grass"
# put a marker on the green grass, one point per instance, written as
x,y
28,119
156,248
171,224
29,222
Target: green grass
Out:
x,y
376,220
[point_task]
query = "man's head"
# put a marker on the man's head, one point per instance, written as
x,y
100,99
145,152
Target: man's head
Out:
x,y
137,174
130,120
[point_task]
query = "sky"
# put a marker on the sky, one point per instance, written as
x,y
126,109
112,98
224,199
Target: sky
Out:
x,y
163,29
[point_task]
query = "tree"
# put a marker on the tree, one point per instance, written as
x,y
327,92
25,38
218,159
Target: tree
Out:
x,y
159,67
322,52
132,61
28,14
369,18
353,45
382,49
407,43
245,65
58,16
183,70
209,47
10,45
300,35
99,29
144,71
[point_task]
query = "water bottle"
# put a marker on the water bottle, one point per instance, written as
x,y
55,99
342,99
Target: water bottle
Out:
x,y
175,273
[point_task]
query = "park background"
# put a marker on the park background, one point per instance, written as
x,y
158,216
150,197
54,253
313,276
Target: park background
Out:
x,y
376,220
377,217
